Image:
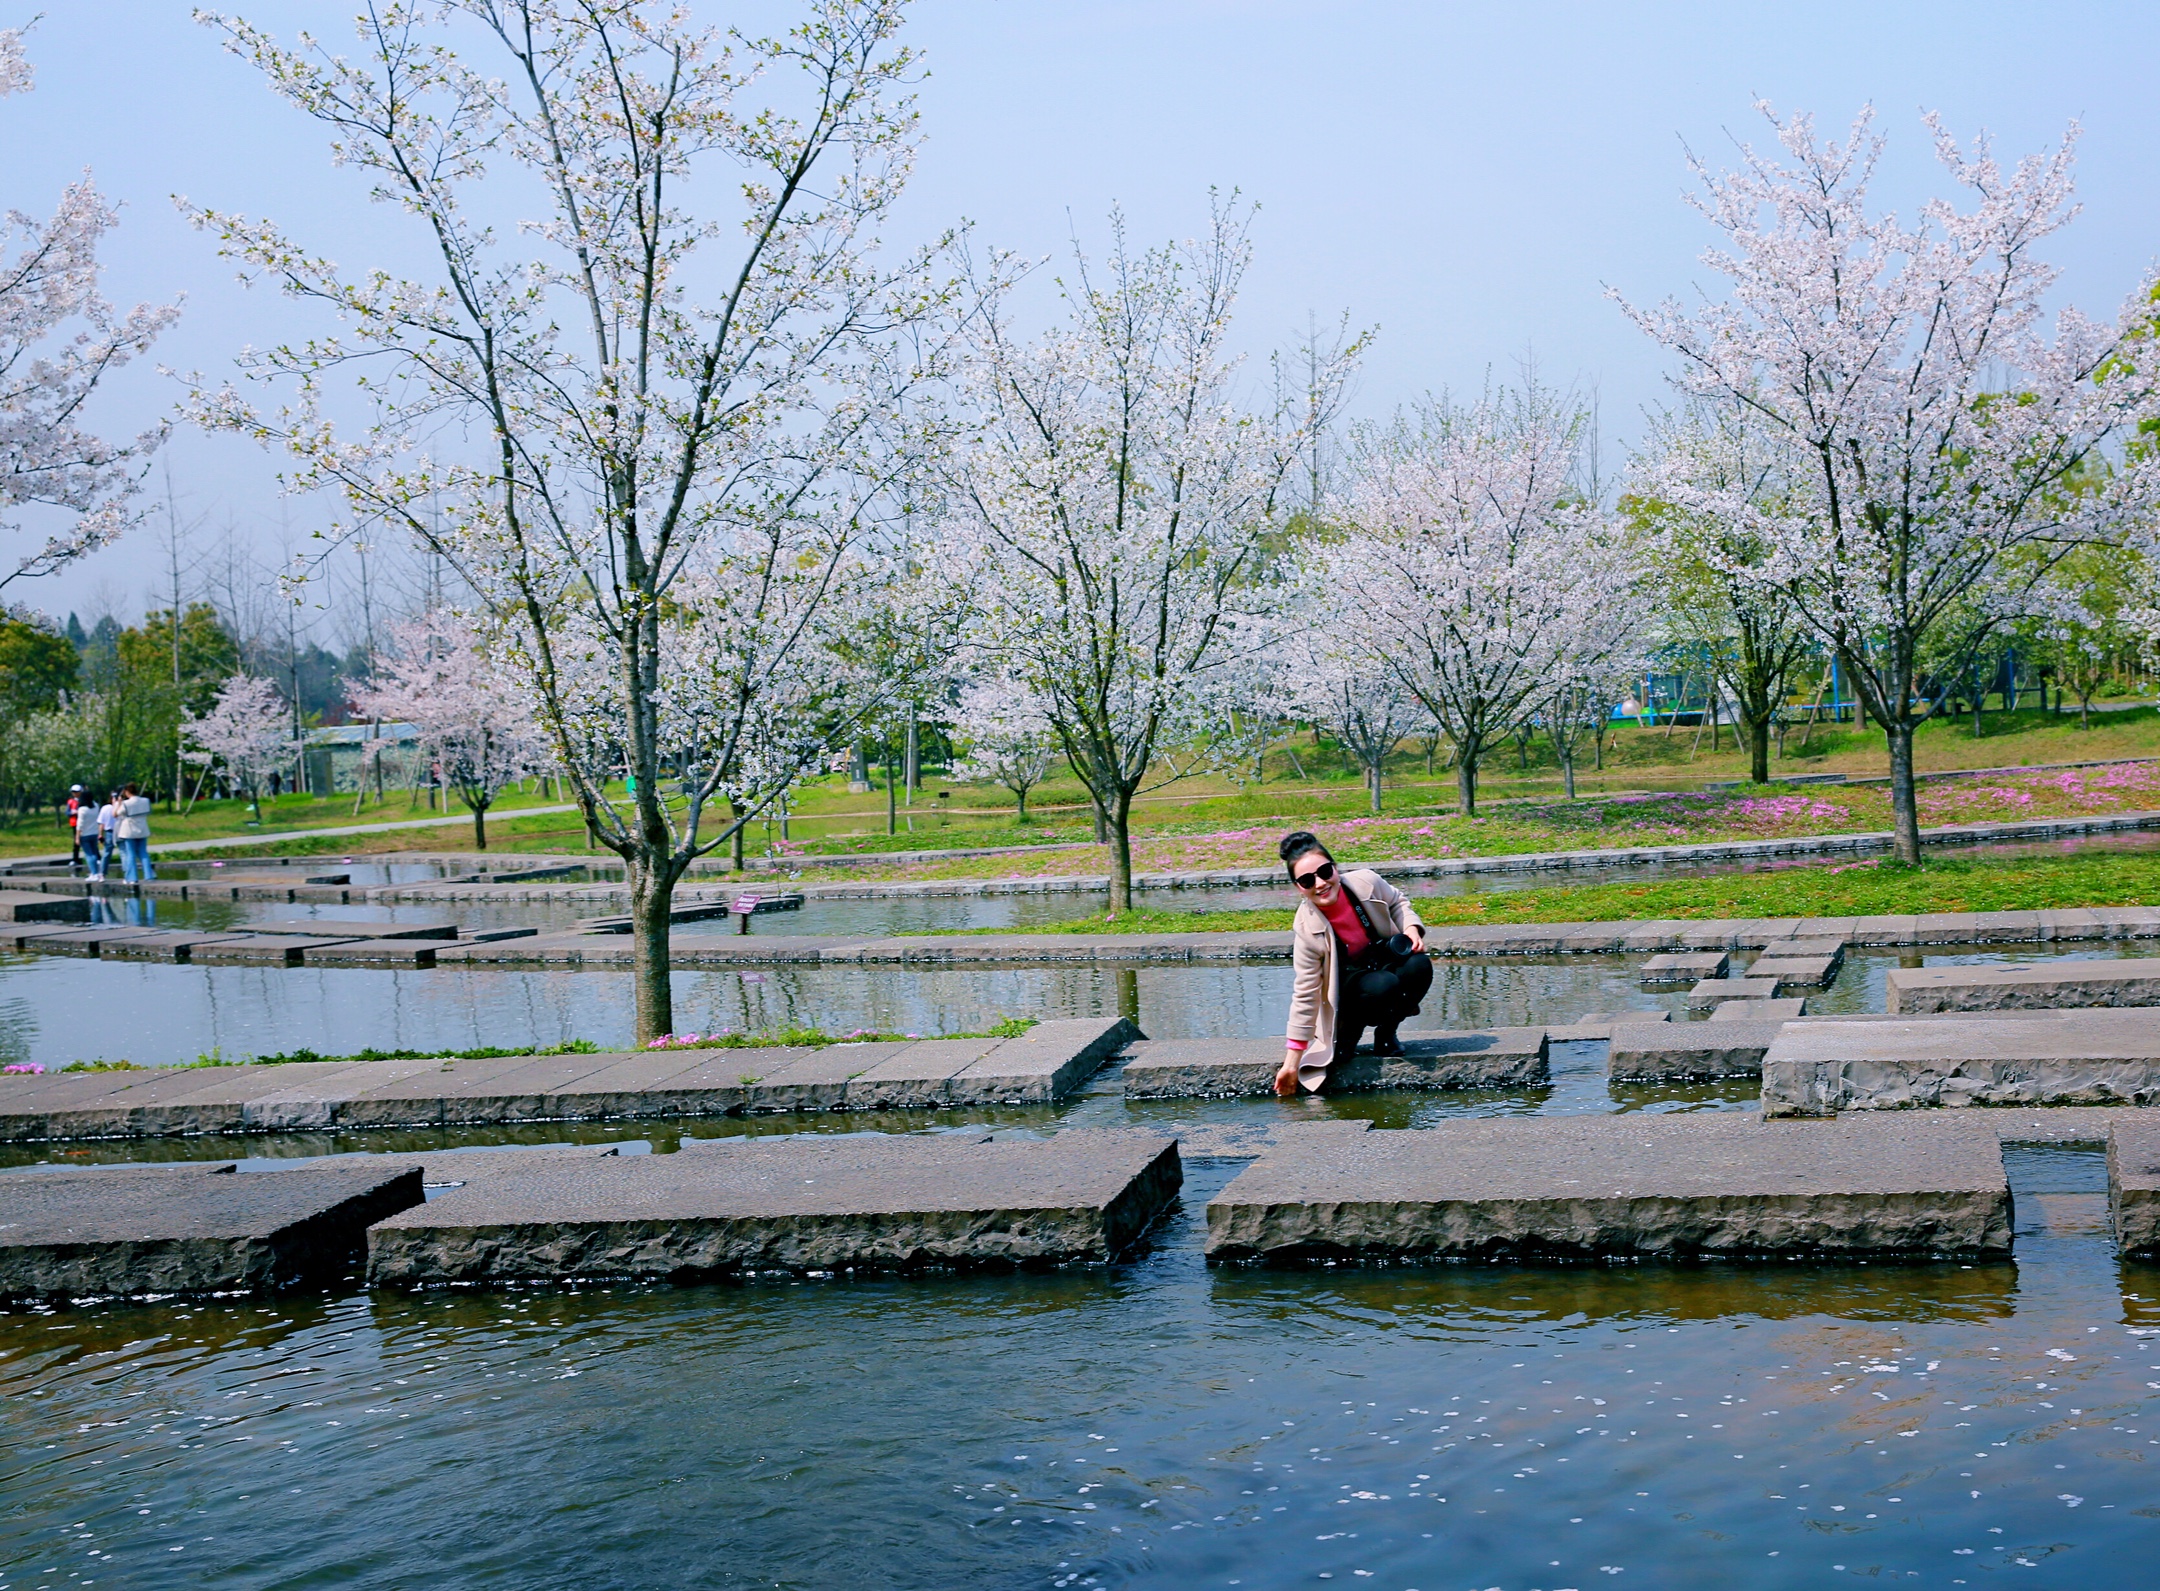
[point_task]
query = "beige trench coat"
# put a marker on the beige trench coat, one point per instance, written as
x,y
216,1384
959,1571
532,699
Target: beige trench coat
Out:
x,y
1316,995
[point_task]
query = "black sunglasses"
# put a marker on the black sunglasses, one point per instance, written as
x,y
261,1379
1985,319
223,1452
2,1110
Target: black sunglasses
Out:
x,y
1318,876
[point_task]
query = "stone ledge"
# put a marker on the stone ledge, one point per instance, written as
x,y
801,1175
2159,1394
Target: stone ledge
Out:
x,y
910,1202
1711,1184
109,1235
2054,985
1819,1067
1245,1068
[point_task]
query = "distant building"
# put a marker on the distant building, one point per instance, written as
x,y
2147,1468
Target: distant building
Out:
x,y
335,757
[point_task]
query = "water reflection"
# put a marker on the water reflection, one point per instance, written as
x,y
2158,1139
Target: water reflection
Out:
x,y
1523,1426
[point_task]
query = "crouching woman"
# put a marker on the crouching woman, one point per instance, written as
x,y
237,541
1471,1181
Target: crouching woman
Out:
x,y
1359,948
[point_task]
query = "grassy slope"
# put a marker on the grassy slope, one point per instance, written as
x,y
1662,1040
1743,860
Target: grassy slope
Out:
x,y
1863,889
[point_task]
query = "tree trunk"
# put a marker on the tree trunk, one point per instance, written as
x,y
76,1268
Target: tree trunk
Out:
x,y
1904,802
651,904
1758,751
1466,782
1121,856
1567,767
479,824
1021,791
1372,780
892,811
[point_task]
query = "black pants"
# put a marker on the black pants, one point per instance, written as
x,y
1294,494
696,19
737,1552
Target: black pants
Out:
x,y
1380,1001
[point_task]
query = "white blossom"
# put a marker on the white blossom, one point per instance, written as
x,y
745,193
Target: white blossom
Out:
x,y
58,339
246,735
474,715
1938,444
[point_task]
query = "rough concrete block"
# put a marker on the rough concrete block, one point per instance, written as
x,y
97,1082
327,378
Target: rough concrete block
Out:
x,y
416,1098
176,944
74,1237
819,1079
662,1083
288,1103
1685,966
1819,1067
1231,1068
2133,1159
1683,1051
2053,985
414,953
63,941
920,1076
884,1202
276,950
1711,1184
1716,991
1600,1024
1047,1063
1795,972
1760,1010
31,906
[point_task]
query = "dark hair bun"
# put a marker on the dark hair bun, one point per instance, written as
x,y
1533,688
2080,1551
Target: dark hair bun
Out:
x,y
1296,845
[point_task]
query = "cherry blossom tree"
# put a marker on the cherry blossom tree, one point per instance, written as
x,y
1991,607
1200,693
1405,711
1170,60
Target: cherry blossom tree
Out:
x,y
1111,517
1332,673
1006,728
246,735
1710,569
1475,561
1937,446
475,721
59,339
689,425
1599,655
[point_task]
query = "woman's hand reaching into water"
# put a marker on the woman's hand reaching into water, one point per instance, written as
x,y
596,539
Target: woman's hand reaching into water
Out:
x,y
1286,1077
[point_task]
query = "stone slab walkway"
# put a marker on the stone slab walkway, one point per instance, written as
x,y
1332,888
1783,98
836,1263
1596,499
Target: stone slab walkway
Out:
x,y
2057,985
1042,1066
1718,1184
1244,1068
745,1206
108,1233
1823,1066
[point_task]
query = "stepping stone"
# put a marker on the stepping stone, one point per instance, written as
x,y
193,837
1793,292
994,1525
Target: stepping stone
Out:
x,y
469,1092
277,950
2133,1160
1806,949
1709,1184
818,1079
1049,1062
1685,967
1239,1068
107,1234
920,1075
59,941
1819,1067
1759,1010
288,1103
1715,991
315,927
442,1169
797,1204
414,953
672,1083
1600,1024
1686,1051
1795,972
2055,985
29,906
168,944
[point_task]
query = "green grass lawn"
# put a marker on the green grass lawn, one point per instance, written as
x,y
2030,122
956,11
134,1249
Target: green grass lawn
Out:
x,y
1853,889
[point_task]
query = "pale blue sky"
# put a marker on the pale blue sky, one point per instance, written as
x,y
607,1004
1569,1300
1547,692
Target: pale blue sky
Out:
x,y
1467,177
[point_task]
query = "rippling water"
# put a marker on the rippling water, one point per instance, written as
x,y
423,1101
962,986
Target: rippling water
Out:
x,y
1156,1423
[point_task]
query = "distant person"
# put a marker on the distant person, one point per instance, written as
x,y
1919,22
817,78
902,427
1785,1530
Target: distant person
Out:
x,y
134,835
106,822
1358,946
71,815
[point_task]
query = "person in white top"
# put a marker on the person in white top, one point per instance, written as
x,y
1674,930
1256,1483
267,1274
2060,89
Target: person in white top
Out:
x,y
106,821
134,835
